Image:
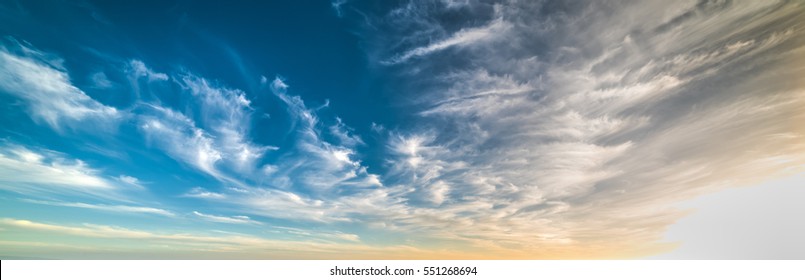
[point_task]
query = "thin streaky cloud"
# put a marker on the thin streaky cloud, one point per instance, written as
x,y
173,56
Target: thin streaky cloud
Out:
x,y
464,37
104,207
46,169
227,219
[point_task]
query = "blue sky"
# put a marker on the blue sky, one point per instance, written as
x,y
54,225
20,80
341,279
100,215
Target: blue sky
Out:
x,y
393,129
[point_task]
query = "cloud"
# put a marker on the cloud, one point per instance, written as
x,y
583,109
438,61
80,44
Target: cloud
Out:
x,y
464,37
198,192
317,165
100,80
214,137
438,192
215,141
189,244
345,134
532,130
226,113
37,172
336,4
25,170
102,231
713,231
108,208
272,203
579,130
130,181
179,137
139,69
29,75
227,220
322,235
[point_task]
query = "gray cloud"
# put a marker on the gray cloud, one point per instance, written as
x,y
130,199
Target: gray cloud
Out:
x,y
576,134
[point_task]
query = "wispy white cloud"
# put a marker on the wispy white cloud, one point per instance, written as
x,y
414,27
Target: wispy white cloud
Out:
x,y
345,134
139,69
438,192
226,113
105,207
229,245
323,235
36,172
227,220
29,75
336,4
179,137
464,37
198,192
319,165
214,138
101,81
22,170
295,187
272,203
129,180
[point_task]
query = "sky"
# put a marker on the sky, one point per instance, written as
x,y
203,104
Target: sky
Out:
x,y
402,129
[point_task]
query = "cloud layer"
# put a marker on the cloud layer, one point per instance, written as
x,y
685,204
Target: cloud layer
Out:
x,y
523,129
581,129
